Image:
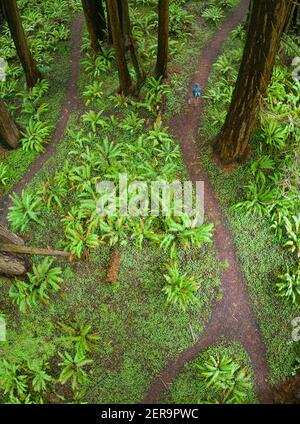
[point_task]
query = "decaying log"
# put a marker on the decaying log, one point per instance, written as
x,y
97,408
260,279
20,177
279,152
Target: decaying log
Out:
x,y
12,251
23,250
12,265
9,237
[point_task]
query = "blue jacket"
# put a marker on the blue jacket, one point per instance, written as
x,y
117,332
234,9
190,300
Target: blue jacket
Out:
x,y
197,90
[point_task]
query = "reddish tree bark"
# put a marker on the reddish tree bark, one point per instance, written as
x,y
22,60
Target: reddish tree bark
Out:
x,y
123,8
291,23
95,21
267,23
120,50
163,39
114,266
13,18
110,39
295,17
9,132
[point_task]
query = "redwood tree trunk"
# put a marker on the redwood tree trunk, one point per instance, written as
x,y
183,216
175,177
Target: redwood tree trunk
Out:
x,y
120,12
295,18
1,14
129,42
267,23
110,39
13,18
163,39
95,21
119,45
249,13
289,19
9,132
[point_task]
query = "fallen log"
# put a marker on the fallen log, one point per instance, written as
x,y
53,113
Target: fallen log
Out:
x,y
23,250
12,265
9,237
13,261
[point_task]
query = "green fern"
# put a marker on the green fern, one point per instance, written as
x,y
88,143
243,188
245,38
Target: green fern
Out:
x,y
25,209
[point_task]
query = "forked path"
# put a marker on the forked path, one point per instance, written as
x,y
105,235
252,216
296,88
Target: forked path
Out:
x,y
233,317
71,103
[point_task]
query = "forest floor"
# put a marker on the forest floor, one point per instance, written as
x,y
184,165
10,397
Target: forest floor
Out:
x,y
233,317
161,344
71,103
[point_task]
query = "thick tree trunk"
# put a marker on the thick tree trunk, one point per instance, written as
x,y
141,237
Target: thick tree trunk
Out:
x,y
129,42
249,13
163,39
9,132
119,45
110,39
95,21
289,19
295,18
268,19
1,15
13,18
120,12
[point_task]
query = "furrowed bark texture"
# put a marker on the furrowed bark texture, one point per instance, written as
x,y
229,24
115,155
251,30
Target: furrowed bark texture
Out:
x,y
12,15
163,39
130,43
110,39
95,21
9,132
119,45
266,26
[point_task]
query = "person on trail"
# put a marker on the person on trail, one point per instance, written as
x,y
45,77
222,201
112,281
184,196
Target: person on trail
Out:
x,y
197,91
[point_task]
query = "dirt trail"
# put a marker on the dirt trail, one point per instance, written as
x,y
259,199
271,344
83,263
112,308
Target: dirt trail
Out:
x,y
70,104
232,318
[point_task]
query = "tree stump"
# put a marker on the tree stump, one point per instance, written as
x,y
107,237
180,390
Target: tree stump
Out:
x,y
114,266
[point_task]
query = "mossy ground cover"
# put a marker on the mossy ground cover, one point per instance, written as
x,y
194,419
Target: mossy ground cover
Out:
x,y
18,161
260,255
190,388
138,333
51,46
